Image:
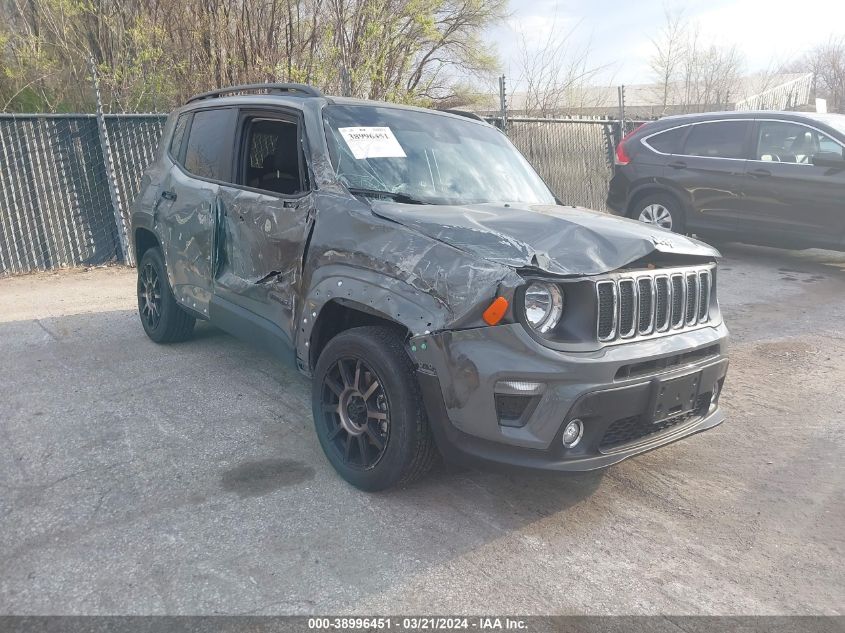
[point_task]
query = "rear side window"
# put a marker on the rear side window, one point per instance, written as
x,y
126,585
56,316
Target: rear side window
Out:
x,y
668,142
178,136
725,139
209,144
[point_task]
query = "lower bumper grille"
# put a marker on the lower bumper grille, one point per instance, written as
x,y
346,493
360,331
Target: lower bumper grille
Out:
x,y
637,427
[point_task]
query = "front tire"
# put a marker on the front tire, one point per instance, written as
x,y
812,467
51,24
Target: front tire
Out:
x,y
368,412
163,318
660,210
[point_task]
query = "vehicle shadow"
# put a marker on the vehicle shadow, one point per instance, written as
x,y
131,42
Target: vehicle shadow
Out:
x,y
521,492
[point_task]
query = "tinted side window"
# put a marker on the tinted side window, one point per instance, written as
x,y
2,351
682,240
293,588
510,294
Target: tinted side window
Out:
x,y
668,142
725,139
827,144
784,142
178,136
209,144
272,156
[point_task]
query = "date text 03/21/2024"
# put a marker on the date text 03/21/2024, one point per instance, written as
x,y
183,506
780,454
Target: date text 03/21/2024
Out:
x,y
418,623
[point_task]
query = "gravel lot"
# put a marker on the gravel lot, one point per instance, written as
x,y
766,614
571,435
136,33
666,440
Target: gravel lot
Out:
x,y
139,479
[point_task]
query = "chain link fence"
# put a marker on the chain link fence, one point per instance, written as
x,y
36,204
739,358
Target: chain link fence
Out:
x,y
62,204
55,205
573,156
133,140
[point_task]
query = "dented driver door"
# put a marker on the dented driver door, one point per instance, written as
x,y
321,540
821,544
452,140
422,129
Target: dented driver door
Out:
x,y
262,223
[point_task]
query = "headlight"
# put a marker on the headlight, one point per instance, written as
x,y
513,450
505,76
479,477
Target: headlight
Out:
x,y
543,306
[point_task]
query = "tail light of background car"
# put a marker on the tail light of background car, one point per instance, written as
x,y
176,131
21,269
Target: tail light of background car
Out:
x,y
622,157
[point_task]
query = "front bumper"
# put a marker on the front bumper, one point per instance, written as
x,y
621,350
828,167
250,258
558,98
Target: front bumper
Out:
x,y
460,373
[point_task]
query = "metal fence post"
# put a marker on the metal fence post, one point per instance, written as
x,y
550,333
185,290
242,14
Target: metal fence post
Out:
x,y
503,103
621,95
111,177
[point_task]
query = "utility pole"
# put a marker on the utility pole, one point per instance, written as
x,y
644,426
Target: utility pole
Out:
x,y
621,95
503,103
111,177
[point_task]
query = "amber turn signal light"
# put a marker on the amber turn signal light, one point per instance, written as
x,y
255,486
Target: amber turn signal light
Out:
x,y
495,311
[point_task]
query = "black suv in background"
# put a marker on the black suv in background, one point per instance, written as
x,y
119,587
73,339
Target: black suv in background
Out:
x,y
774,178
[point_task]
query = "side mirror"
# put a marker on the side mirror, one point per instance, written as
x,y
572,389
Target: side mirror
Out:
x,y
829,159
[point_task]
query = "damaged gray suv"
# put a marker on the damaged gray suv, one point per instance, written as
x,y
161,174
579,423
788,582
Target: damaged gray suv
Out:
x,y
420,272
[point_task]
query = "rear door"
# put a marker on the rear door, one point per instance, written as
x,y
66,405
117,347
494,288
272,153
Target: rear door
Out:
x,y
186,210
710,167
787,195
266,215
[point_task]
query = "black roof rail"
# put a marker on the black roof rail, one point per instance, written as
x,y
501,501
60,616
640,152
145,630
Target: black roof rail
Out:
x,y
469,115
303,89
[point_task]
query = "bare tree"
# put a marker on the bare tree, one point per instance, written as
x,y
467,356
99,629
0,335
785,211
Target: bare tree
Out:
x,y
691,75
669,52
711,75
827,63
555,75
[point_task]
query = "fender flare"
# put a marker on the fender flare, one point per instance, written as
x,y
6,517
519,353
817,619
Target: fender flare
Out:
x,y
371,292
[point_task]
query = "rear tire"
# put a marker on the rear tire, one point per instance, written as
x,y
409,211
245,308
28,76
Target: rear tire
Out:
x,y
660,210
163,318
368,411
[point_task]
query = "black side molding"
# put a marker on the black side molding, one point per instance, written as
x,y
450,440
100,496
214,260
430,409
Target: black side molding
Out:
x,y
250,327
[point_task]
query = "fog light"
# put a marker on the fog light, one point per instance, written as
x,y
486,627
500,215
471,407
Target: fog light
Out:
x,y
714,395
572,433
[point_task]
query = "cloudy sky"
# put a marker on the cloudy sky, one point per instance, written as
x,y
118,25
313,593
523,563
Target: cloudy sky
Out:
x,y
618,32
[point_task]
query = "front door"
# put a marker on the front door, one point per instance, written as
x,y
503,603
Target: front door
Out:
x,y
265,218
788,196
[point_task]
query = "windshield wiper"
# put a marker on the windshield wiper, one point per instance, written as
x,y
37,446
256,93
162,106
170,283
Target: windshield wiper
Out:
x,y
394,195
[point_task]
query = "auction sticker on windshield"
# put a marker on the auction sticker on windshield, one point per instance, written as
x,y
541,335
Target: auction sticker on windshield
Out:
x,y
372,142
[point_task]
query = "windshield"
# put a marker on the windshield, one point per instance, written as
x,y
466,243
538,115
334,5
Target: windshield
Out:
x,y
428,158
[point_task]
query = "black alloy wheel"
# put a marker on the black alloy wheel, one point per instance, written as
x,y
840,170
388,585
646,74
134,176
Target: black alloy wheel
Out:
x,y
356,413
164,320
149,296
368,410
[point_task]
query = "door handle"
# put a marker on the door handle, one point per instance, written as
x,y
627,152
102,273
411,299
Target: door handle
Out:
x,y
760,173
678,165
168,195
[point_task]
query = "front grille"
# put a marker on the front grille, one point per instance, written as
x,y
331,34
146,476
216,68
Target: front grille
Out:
x,y
692,298
606,291
704,295
678,300
637,427
644,303
627,307
645,290
661,308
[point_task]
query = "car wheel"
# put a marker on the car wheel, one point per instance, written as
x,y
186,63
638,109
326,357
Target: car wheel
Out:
x,y
661,210
368,412
163,318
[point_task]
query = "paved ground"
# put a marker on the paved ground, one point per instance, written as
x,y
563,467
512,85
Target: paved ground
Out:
x,y
143,479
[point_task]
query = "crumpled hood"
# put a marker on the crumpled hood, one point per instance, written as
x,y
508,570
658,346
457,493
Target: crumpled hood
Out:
x,y
555,239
